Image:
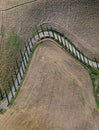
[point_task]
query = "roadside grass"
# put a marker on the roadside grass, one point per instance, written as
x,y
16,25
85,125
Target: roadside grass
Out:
x,y
7,62
95,77
2,111
2,31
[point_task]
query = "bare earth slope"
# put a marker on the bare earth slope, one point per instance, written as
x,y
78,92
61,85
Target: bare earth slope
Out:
x,y
56,95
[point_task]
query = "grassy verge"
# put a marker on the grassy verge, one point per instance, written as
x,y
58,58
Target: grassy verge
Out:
x,y
7,61
2,31
95,82
2,111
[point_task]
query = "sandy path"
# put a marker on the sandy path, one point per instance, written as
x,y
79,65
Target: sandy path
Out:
x,y
56,95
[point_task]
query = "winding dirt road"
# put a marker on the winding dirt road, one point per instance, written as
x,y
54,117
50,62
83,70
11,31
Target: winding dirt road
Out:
x,y
56,95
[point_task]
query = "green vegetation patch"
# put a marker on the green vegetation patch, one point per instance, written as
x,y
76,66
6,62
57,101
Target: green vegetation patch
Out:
x,y
12,46
95,82
7,62
2,31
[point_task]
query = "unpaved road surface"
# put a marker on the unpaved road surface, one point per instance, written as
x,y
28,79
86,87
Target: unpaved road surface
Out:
x,y
56,95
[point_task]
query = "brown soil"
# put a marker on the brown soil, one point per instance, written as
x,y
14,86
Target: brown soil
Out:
x,y
77,19
56,95
57,92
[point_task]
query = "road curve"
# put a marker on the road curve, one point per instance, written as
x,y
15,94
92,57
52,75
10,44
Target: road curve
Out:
x,y
62,40
54,95
54,34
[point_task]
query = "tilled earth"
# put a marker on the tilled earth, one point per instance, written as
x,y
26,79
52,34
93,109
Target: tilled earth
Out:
x,y
78,19
56,95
